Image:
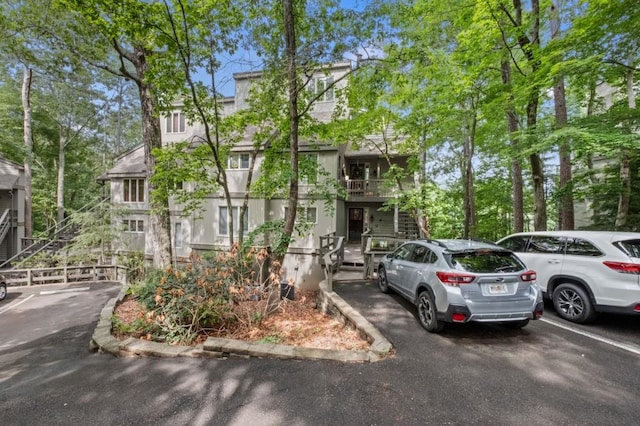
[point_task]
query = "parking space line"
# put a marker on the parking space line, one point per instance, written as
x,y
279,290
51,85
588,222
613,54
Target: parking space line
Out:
x,y
66,290
634,349
5,309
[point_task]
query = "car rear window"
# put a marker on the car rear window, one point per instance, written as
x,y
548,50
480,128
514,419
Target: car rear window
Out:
x,y
630,247
486,261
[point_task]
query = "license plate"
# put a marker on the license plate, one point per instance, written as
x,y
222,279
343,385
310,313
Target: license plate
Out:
x,y
498,289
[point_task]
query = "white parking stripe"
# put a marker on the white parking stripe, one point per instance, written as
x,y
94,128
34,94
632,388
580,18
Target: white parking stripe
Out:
x,y
66,290
5,309
634,349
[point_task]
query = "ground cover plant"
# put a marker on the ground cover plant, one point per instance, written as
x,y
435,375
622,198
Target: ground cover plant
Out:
x,y
232,295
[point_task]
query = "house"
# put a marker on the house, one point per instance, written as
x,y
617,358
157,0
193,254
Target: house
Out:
x,y
12,184
359,171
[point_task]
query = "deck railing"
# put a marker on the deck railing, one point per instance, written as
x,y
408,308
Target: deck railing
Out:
x,y
368,188
65,275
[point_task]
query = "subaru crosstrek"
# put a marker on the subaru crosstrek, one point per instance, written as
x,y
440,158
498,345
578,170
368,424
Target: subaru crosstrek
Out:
x,y
583,272
457,281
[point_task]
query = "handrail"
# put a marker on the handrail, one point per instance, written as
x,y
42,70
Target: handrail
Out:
x,y
4,224
31,247
65,275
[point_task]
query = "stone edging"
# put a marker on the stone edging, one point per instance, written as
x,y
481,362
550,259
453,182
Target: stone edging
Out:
x,y
329,302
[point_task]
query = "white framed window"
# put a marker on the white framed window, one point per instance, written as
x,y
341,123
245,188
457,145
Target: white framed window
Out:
x,y
133,190
133,226
176,123
323,85
304,214
177,235
238,161
308,169
223,220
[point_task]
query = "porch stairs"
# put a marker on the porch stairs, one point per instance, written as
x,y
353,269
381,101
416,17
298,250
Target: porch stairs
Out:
x,y
59,236
5,224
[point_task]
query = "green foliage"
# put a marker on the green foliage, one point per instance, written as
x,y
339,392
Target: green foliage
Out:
x,y
182,303
96,231
135,264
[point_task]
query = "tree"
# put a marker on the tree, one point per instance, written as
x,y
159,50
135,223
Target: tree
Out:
x,y
133,30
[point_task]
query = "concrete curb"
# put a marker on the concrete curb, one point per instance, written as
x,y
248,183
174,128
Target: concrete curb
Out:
x,y
328,302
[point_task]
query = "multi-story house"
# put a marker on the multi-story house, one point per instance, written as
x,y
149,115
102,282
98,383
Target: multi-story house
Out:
x,y
360,172
12,183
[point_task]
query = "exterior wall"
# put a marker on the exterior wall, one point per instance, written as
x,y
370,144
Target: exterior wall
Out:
x,y
200,232
12,197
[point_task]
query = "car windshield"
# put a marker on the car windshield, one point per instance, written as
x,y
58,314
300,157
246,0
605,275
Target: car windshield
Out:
x,y
630,247
486,261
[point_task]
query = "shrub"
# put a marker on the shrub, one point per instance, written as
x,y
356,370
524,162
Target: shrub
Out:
x,y
203,295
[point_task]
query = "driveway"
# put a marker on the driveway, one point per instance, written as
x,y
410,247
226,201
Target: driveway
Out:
x,y
476,374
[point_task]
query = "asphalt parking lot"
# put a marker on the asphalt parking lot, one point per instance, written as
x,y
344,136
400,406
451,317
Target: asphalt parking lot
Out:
x,y
474,374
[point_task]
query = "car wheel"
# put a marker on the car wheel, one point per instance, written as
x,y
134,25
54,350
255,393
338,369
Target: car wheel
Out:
x,y
3,291
427,313
515,325
383,283
573,304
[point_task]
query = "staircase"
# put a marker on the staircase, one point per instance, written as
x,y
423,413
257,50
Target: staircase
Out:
x,y
5,224
60,235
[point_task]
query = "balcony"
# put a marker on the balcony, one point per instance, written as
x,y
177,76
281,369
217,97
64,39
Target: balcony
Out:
x,y
368,189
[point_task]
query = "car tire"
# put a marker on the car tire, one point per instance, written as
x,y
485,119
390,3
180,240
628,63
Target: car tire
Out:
x,y
428,314
383,283
515,325
572,303
3,291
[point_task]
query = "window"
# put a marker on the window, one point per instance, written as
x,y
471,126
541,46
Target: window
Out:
x,y
133,191
176,123
304,214
177,235
308,169
544,244
580,247
419,254
223,220
486,262
517,243
324,86
403,252
238,161
133,226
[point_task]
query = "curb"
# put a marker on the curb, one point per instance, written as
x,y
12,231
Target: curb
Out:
x,y
328,302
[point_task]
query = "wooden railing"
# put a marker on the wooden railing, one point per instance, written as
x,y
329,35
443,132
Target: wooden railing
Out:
x,y
375,248
333,246
5,224
368,188
65,275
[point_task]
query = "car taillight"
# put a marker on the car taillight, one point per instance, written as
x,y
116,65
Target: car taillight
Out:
x,y
624,268
529,276
455,278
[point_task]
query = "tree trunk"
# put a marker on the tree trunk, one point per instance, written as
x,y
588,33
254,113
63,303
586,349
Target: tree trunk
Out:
x,y
290,39
467,173
60,189
516,163
560,103
159,220
624,200
28,142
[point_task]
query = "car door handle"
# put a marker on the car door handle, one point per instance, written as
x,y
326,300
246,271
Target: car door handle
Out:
x,y
554,261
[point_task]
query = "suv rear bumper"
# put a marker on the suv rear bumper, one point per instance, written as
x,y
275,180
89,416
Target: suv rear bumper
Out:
x,y
459,311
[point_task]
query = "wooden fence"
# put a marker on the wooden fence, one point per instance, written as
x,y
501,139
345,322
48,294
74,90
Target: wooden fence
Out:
x,y
64,275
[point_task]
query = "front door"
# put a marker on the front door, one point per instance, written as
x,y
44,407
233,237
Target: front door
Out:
x,y
355,224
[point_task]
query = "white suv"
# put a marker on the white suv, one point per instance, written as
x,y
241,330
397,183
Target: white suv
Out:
x,y
583,272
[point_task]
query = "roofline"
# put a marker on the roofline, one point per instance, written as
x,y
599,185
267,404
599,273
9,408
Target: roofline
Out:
x,y
13,163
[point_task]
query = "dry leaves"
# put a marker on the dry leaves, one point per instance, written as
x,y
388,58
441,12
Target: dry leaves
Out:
x,y
296,322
